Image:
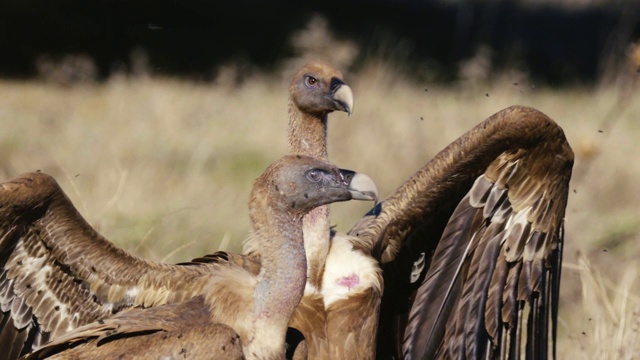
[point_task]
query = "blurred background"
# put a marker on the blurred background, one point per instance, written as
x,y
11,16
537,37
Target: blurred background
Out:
x,y
156,117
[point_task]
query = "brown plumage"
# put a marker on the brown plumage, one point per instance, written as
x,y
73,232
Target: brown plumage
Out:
x,y
175,331
471,244
56,271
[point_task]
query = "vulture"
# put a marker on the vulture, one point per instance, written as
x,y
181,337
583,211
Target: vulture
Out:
x,y
236,311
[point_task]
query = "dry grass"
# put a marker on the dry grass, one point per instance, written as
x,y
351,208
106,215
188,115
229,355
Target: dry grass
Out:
x,y
163,168
607,325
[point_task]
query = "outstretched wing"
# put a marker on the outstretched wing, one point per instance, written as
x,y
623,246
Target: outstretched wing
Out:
x,y
168,331
58,273
496,272
471,245
49,281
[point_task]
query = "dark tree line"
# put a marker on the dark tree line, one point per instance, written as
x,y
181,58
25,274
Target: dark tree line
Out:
x,y
557,44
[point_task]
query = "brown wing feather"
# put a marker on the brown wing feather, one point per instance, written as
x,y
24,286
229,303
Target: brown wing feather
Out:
x,y
175,330
310,319
38,226
58,273
354,323
521,239
441,286
526,165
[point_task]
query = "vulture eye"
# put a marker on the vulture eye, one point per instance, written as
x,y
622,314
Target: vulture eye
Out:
x,y
314,175
311,81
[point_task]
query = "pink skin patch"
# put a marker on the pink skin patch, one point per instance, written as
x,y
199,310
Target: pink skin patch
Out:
x,y
350,281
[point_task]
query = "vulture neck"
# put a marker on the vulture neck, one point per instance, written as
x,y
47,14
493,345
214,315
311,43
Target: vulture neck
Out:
x,y
307,133
283,273
308,136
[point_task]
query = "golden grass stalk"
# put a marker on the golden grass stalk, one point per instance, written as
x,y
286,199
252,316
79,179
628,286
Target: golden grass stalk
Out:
x,y
609,323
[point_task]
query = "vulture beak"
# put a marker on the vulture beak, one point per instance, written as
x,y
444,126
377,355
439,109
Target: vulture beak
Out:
x,y
361,186
341,96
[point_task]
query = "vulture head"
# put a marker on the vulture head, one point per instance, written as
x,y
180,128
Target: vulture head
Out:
x,y
318,88
296,184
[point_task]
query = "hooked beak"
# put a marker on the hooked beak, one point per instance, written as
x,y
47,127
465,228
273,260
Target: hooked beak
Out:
x,y
361,186
341,95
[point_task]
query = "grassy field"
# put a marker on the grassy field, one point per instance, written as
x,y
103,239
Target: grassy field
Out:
x,y
163,167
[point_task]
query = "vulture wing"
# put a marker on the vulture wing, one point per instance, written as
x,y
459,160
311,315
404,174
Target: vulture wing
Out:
x,y
471,245
58,273
168,331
